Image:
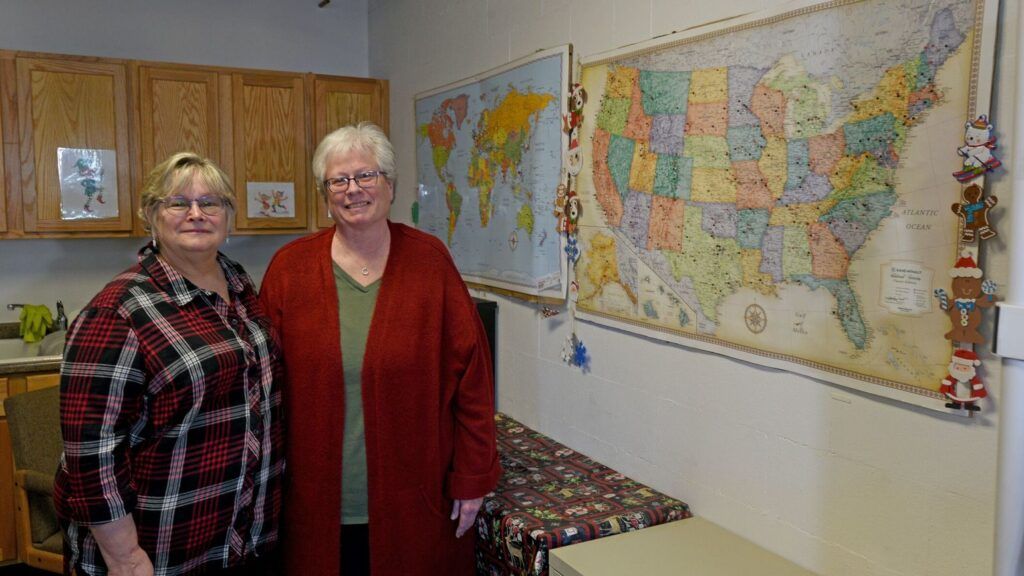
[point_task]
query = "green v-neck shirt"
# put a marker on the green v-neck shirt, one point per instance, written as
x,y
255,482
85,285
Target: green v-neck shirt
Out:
x,y
355,311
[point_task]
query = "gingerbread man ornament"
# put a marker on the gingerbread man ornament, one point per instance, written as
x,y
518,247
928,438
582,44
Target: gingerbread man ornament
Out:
x,y
973,213
970,295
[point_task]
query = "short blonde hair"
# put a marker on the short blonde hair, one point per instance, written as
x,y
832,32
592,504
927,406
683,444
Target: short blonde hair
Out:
x,y
366,137
174,175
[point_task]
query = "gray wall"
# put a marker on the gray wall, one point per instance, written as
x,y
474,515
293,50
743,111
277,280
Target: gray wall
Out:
x,y
271,34
265,34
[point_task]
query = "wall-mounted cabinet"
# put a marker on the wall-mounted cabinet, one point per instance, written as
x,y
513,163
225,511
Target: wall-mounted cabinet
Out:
x,y
8,137
271,166
81,134
179,112
337,102
75,164
3,181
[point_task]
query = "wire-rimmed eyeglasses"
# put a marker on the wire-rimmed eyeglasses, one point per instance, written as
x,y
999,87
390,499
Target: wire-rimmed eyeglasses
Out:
x,y
209,205
365,180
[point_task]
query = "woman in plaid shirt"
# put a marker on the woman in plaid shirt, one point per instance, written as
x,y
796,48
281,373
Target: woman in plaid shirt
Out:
x,y
170,400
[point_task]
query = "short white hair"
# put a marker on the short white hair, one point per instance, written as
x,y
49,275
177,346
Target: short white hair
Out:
x,y
366,137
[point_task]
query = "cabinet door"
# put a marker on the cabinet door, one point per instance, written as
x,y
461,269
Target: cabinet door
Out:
x,y
269,118
339,102
5,187
73,120
178,112
8,540
39,381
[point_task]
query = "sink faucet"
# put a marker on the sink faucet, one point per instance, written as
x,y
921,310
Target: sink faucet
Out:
x,y
60,322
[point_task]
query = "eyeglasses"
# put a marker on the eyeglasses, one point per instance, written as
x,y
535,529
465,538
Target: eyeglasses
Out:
x,y
366,180
209,205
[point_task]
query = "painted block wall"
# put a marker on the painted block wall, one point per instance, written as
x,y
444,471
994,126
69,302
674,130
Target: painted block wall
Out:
x,y
266,34
838,481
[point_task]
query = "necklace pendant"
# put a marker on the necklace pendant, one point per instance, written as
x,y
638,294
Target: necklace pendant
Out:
x,y
365,271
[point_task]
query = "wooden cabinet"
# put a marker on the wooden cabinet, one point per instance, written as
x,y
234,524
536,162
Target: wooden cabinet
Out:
x,y
178,112
74,105
261,127
11,385
8,136
337,102
268,113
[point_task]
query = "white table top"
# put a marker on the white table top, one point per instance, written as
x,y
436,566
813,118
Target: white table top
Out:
x,y
688,547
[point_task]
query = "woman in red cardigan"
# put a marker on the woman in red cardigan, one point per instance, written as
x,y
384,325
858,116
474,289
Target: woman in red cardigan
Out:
x,y
390,438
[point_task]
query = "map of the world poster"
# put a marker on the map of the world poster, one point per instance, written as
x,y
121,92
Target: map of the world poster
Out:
x,y
488,165
779,189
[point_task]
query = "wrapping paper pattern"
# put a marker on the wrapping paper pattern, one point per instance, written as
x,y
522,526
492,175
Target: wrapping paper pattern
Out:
x,y
551,496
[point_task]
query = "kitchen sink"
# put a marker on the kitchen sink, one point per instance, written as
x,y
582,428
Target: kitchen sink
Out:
x,y
16,350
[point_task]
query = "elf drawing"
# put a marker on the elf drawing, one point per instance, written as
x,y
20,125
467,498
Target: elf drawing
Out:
x,y
278,202
962,387
91,191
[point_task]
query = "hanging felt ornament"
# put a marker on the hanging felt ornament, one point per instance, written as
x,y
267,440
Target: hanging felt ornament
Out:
x,y
572,249
560,197
963,387
574,353
573,211
977,150
571,125
969,295
973,213
579,354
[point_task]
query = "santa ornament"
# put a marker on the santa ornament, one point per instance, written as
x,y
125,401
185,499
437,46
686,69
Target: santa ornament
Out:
x,y
962,387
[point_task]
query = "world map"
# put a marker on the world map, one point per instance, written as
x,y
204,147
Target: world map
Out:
x,y
766,189
488,166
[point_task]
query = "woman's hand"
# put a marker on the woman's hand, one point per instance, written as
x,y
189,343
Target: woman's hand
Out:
x,y
119,546
137,564
465,511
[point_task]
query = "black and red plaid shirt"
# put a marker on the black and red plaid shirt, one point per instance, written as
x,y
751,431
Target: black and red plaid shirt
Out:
x,y
171,412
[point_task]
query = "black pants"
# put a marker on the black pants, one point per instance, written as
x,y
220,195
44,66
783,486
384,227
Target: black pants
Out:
x,y
355,550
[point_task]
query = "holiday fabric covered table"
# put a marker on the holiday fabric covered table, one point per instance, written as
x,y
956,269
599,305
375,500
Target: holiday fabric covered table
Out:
x,y
551,496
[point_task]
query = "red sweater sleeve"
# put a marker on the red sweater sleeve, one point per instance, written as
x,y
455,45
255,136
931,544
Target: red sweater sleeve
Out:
x,y
475,468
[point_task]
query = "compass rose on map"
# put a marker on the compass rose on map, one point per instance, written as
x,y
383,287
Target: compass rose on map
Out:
x,y
755,318
513,240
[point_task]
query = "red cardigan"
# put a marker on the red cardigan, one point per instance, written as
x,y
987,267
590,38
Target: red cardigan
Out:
x,y
427,404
